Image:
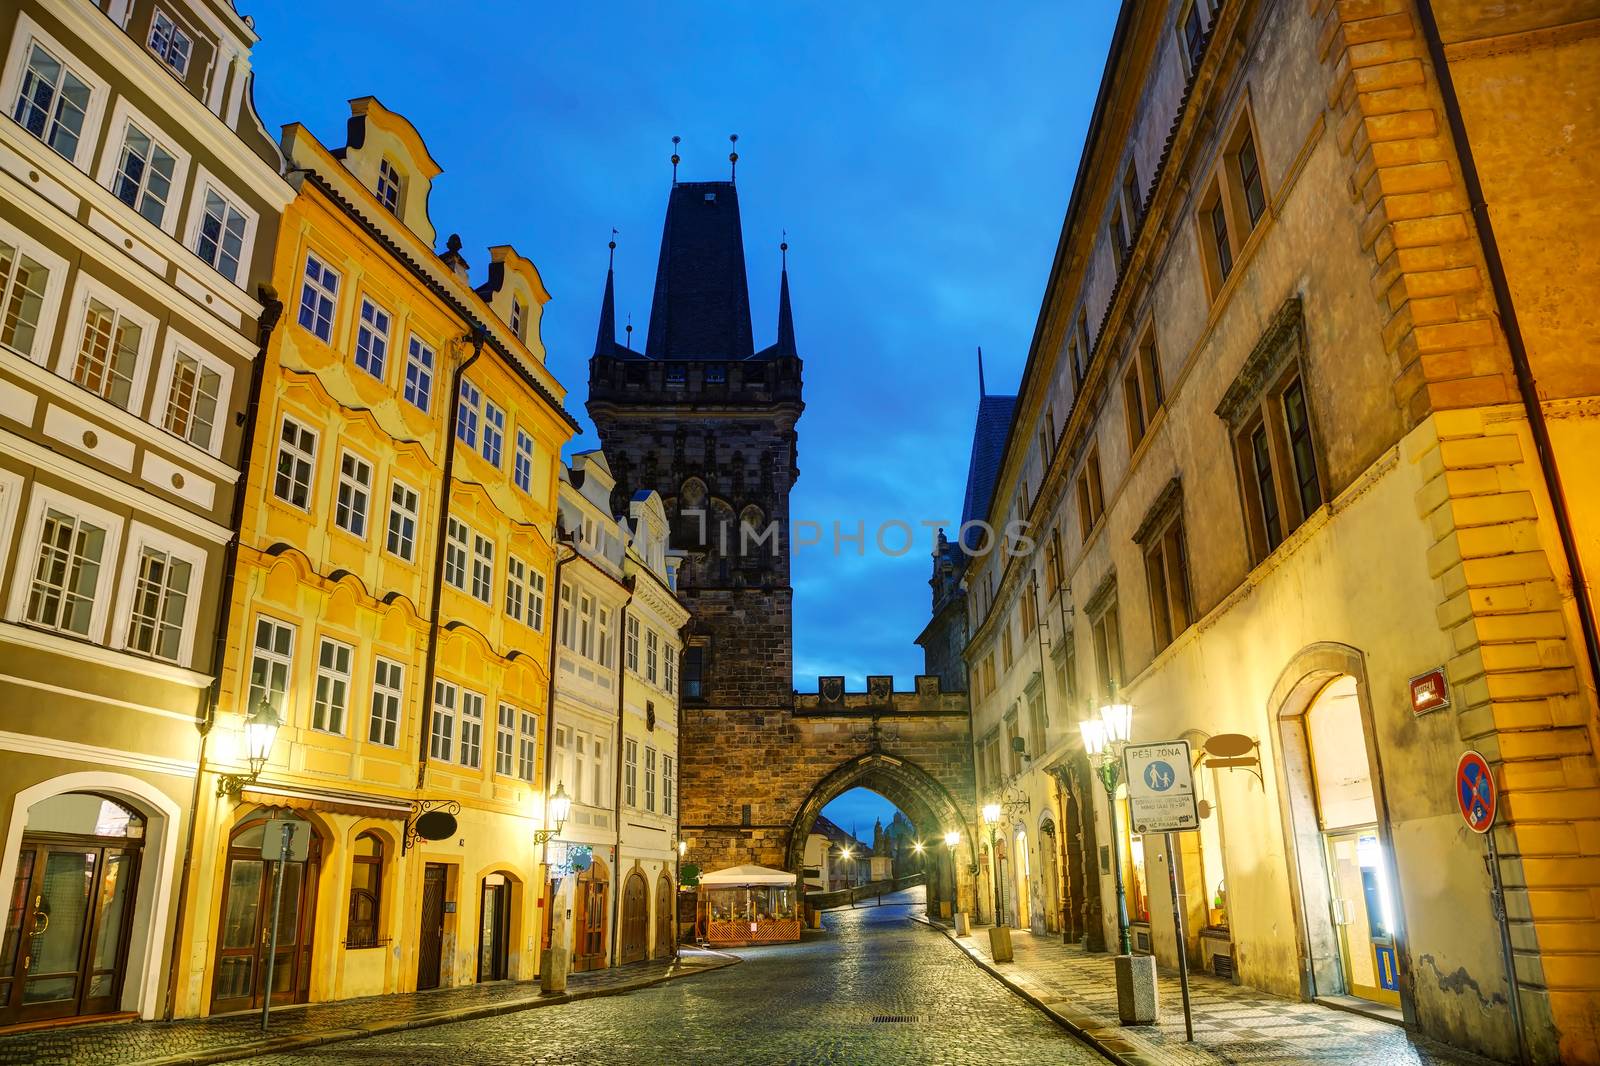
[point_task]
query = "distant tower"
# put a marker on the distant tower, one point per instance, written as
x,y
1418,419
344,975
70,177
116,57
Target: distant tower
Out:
x,y
709,422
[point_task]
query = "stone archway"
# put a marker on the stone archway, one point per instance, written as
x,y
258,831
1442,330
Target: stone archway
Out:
x,y
926,802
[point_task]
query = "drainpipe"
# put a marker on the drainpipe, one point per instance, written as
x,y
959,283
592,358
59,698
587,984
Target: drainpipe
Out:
x,y
429,672
266,322
622,710
553,619
1526,385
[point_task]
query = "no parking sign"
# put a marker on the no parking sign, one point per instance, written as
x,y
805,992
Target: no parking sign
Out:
x,y
1475,792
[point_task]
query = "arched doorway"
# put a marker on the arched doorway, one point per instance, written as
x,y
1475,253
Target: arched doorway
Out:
x,y
1049,877
589,912
494,927
245,924
71,910
1022,912
664,916
635,943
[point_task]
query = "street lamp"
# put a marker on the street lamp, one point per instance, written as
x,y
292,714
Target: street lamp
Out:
x,y
991,818
1103,740
683,848
556,810
260,732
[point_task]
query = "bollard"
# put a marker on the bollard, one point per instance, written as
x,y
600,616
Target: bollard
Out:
x,y
1136,989
1000,943
963,924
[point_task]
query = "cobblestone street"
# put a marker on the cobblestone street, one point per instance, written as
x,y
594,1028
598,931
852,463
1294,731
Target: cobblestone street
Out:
x,y
876,988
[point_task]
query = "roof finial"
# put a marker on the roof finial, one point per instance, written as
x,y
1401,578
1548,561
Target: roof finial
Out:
x,y
783,249
629,331
676,140
611,259
981,391
733,158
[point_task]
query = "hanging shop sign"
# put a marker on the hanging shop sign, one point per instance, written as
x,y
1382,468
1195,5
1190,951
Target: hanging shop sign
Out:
x,y
1429,692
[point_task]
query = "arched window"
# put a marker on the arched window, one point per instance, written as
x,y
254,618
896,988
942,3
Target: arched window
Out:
x,y
366,891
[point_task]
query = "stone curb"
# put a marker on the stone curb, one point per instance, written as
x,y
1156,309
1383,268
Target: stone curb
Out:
x,y
274,1045
1086,1027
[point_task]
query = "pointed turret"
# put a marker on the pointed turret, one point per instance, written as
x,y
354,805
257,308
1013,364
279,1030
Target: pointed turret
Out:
x,y
785,345
606,342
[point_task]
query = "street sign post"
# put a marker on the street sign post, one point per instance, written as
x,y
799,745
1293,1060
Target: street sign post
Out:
x,y
283,840
1476,795
1478,800
1161,799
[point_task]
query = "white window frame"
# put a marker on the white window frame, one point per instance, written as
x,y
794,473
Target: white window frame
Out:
x,y
516,321
55,285
464,545
536,600
668,784
392,697
516,587
124,114
384,340
505,740
564,616
467,413
196,209
561,743
389,177
22,573
311,460
302,279
469,738
177,28
482,568
522,462
357,490
527,745
414,514
586,624
88,288
633,643
650,778
141,536
630,772
287,658
652,655
602,628
10,497
27,32
492,427
408,391
334,678
442,720
175,344
669,668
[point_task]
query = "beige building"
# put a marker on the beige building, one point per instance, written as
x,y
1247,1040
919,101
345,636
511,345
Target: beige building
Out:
x,y
139,203
1302,424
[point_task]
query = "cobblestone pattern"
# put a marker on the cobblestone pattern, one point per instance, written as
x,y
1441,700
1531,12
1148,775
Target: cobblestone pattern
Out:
x,y
815,1002
237,1035
1232,1024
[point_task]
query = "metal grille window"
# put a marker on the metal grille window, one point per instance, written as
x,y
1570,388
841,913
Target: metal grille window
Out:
x,y
66,576
467,414
389,186
143,179
471,729
650,779
441,737
372,339
505,736
522,464
355,494
52,102
297,457
170,44
22,288
221,240
160,601
527,745
630,772
270,664
192,399
108,354
494,433
332,699
402,538
388,689
419,374
319,296
455,554
482,568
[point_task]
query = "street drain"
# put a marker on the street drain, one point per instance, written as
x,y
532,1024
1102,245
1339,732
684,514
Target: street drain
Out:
x,y
894,1017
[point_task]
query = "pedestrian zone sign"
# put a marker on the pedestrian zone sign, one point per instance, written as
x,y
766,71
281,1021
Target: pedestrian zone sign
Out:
x,y
1160,787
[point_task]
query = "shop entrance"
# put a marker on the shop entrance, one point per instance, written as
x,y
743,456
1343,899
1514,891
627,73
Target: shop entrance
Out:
x,y
1350,907
244,932
494,926
66,939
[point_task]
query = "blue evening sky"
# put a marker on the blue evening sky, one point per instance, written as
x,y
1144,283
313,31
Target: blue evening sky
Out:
x,y
920,158
857,809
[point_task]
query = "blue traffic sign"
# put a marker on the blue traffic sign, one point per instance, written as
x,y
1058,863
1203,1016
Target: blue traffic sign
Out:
x,y
1159,776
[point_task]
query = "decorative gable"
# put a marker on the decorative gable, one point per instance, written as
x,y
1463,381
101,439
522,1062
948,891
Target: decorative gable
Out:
x,y
516,294
386,154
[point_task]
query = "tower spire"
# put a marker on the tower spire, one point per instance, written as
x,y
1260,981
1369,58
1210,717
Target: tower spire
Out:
x,y
982,392
606,339
676,140
786,345
733,158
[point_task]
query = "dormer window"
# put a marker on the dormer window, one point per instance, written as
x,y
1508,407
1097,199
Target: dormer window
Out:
x,y
389,187
516,317
170,44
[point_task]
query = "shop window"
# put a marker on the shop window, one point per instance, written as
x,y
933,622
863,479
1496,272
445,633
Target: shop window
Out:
x,y
366,891
1137,880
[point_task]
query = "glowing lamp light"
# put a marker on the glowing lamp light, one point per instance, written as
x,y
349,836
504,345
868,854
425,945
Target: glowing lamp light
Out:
x,y
917,847
1118,719
560,807
260,731
844,853
1094,735
951,839
683,848
991,813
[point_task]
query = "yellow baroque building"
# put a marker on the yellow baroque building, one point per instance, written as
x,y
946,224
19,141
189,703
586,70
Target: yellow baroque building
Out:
x,y
389,606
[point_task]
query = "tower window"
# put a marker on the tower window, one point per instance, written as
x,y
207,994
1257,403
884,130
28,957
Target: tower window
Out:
x,y
716,375
676,379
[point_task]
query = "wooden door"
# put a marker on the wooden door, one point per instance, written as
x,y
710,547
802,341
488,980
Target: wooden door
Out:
x,y
430,937
635,918
664,917
245,928
589,936
493,914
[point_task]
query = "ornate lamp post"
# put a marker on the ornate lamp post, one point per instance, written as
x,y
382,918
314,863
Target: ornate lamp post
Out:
x,y
1103,740
559,807
991,818
260,732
